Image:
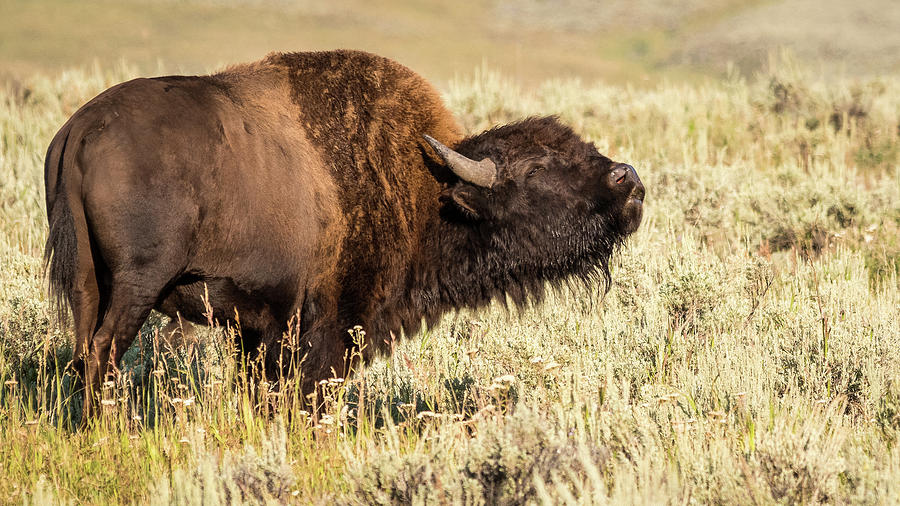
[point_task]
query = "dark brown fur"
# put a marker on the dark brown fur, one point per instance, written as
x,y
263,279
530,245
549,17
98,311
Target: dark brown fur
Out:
x,y
300,184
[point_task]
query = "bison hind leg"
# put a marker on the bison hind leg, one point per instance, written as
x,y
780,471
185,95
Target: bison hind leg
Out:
x,y
131,298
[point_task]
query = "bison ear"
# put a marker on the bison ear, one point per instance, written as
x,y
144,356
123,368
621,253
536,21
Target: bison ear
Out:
x,y
470,200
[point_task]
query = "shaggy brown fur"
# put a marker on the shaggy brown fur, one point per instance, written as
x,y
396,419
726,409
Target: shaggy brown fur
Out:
x,y
301,184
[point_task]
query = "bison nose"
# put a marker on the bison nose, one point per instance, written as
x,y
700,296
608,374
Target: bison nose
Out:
x,y
620,174
624,174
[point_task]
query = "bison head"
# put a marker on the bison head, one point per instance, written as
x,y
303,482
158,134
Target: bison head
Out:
x,y
540,167
561,205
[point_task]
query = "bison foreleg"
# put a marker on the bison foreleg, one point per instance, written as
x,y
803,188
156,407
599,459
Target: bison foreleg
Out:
x,y
326,353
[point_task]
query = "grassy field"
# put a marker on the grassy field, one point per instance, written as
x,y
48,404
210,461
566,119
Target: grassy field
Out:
x,y
748,351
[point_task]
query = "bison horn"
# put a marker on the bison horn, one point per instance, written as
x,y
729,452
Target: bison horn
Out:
x,y
482,173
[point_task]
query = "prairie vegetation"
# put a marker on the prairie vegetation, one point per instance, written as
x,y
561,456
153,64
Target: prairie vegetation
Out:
x,y
748,350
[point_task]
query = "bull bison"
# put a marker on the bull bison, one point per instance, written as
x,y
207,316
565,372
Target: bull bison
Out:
x,y
318,185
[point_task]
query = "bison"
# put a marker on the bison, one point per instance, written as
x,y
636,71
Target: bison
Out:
x,y
333,187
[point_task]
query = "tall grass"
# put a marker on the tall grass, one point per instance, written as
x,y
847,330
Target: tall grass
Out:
x,y
749,350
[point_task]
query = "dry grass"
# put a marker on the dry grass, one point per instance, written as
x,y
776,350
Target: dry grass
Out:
x,y
748,351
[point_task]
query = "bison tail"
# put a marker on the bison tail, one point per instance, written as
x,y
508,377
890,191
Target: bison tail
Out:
x,y
61,250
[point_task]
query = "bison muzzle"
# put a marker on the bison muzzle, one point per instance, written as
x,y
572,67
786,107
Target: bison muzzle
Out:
x,y
330,187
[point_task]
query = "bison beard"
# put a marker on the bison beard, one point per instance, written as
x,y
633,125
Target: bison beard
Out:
x,y
317,185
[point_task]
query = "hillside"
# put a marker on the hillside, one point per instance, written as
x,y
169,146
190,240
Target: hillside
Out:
x,y
639,42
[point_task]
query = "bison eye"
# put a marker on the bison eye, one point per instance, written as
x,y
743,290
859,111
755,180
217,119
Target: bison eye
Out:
x,y
534,170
